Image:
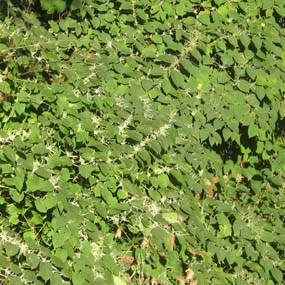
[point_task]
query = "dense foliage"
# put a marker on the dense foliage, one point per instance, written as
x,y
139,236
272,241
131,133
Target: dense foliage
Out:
x,y
142,142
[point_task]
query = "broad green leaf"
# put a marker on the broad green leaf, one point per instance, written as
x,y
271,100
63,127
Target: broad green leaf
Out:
x,y
41,206
257,41
170,217
3,48
5,87
154,194
204,17
196,54
252,131
77,278
108,197
9,153
163,180
53,6
141,14
11,249
50,201
32,260
277,275
224,226
20,108
43,173
16,196
177,78
19,178
85,170
45,271
245,40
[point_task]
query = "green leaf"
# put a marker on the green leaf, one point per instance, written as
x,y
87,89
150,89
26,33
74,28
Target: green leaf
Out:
x,y
40,205
101,209
56,279
223,10
177,78
244,86
51,200
14,280
20,108
257,42
11,249
53,6
245,40
45,271
108,197
141,14
5,87
267,4
16,196
253,131
3,48
43,172
77,278
159,237
149,51
224,226
277,274
9,153
32,260
170,217
62,254
105,168
19,178
204,18
76,4
163,180
85,170
34,183
196,54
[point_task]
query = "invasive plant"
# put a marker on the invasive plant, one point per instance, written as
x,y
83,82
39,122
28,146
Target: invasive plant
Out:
x,y
142,142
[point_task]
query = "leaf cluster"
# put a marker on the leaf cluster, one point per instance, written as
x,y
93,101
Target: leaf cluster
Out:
x,y
142,142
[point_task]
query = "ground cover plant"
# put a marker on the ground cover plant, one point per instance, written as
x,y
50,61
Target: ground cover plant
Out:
x,y
142,142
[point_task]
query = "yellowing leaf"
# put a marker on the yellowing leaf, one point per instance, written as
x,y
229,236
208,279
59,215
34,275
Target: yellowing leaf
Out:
x,y
119,281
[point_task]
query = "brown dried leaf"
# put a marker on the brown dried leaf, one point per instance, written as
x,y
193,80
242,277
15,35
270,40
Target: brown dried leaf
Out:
x,y
127,259
118,233
145,243
5,71
180,218
196,252
89,55
171,241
